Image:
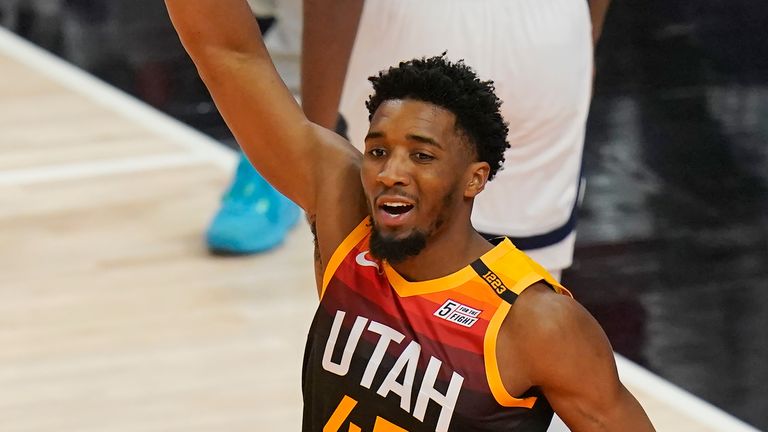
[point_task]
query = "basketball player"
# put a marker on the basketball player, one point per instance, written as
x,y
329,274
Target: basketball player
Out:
x,y
539,54
423,325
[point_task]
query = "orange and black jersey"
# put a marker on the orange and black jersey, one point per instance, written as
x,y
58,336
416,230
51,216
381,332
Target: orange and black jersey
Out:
x,y
386,355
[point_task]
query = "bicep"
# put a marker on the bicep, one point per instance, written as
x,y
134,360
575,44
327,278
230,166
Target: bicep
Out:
x,y
267,121
577,373
223,40
584,383
311,165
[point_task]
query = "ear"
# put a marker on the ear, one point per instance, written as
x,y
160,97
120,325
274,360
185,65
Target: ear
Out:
x,y
477,173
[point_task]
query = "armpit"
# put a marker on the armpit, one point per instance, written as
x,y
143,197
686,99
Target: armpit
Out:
x,y
317,259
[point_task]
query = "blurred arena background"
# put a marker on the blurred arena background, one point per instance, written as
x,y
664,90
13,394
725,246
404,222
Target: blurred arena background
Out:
x,y
672,249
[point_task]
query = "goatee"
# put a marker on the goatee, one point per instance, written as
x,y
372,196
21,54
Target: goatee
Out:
x,y
396,250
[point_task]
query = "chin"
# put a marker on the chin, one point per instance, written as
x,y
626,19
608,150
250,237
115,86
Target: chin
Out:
x,y
398,246
395,232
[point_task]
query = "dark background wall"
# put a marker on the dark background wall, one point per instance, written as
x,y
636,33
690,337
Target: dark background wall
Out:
x,y
672,255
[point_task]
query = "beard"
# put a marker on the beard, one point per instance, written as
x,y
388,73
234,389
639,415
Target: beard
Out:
x,y
396,250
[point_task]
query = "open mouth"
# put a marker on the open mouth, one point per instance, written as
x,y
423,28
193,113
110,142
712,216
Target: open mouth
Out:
x,y
396,209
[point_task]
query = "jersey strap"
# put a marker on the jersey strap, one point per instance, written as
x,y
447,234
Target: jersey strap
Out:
x,y
494,281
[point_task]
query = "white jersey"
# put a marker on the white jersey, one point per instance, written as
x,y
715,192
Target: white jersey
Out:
x,y
539,54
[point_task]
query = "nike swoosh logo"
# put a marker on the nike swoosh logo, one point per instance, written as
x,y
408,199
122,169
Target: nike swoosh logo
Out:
x,y
361,260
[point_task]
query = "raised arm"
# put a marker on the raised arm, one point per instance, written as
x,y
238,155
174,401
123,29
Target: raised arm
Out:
x,y
311,165
224,41
330,27
564,352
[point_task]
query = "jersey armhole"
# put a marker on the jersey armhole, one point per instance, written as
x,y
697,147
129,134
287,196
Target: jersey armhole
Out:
x,y
492,372
354,237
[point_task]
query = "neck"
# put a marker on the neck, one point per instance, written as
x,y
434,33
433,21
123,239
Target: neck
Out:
x,y
446,252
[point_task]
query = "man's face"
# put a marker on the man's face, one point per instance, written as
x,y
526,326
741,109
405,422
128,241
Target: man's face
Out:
x,y
413,173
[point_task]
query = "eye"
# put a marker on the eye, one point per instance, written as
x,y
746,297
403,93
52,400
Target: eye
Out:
x,y
423,157
376,152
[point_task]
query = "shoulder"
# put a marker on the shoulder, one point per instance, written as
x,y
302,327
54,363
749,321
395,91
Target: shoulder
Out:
x,y
544,309
541,314
553,329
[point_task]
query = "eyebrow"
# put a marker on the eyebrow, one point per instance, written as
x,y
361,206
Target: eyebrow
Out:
x,y
424,140
411,137
372,135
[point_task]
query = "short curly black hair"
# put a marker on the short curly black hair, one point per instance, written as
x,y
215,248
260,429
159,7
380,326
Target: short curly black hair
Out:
x,y
455,87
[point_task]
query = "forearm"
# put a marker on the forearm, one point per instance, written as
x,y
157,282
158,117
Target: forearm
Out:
x,y
215,24
330,27
630,415
597,11
611,410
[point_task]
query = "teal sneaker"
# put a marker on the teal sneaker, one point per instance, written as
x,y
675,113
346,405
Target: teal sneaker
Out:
x,y
254,217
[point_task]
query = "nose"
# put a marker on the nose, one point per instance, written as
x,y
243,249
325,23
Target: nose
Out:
x,y
394,171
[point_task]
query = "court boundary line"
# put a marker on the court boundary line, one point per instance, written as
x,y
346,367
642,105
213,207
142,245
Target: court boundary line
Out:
x,y
207,149
106,95
72,171
672,395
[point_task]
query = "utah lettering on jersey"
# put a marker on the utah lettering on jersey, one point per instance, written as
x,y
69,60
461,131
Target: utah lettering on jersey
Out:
x,y
405,366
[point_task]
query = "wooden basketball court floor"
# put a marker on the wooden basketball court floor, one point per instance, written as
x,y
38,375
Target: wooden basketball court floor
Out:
x,y
113,317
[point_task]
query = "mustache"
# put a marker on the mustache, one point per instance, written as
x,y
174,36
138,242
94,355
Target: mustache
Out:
x,y
395,191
